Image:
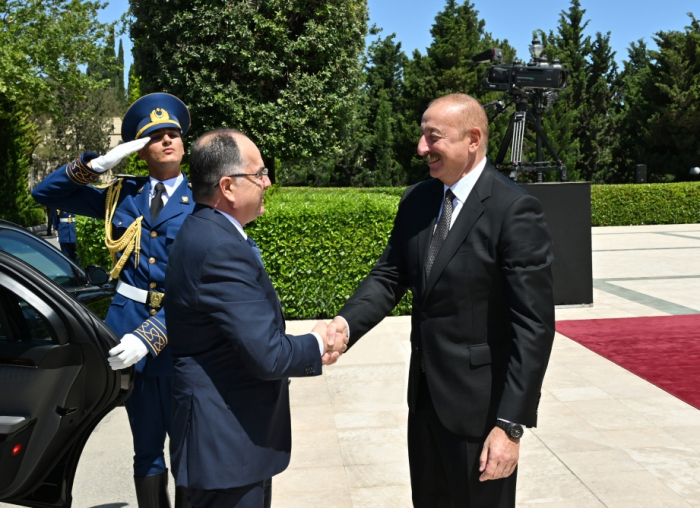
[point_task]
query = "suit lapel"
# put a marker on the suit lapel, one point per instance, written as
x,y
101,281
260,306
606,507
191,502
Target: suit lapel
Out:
x,y
433,202
471,210
176,205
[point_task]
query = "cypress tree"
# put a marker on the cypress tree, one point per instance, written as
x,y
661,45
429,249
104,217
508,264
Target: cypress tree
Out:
x,y
597,113
119,78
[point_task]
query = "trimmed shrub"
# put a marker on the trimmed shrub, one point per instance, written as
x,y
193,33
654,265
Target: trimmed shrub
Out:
x,y
640,204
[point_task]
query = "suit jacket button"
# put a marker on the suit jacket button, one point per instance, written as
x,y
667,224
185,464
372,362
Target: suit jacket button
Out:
x,y
151,260
153,234
423,316
153,312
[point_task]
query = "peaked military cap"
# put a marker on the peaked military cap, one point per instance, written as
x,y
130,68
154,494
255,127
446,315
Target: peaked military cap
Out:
x,y
152,112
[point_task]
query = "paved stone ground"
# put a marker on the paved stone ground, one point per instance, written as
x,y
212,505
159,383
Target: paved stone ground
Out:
x,y
606,438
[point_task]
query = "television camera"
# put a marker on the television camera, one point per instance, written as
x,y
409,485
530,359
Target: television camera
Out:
x,y
532,88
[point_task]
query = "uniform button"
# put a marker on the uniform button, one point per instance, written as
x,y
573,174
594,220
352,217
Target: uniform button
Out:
x,y
153,234
152,285
151,260
423,316
154,312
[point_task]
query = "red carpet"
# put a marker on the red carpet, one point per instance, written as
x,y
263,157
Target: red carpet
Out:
x,y
663,350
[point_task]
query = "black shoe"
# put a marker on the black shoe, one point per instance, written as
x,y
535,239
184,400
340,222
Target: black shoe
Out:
x,y
152,491
181,498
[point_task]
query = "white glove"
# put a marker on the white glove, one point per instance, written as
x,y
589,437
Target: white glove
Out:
x,y
116,154
129,351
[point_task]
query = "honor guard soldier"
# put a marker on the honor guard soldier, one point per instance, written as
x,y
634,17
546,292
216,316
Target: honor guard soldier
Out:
x,y
64,226
142,216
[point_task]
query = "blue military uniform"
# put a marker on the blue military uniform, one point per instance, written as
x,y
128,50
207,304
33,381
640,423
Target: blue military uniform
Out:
x,y
140,251
64,225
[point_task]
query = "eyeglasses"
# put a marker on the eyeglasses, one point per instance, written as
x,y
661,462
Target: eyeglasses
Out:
x,y
259,174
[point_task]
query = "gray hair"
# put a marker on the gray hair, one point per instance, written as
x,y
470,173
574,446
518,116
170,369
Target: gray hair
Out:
x,y
214,155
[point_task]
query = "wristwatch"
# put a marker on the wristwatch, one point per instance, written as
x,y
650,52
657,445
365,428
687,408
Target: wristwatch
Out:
x,y
514,430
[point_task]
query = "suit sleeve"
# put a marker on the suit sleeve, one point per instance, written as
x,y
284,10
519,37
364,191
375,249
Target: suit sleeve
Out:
x,y
382,289
526,264
230,293
67,189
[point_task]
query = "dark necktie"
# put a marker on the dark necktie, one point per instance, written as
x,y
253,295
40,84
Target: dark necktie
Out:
x,y
443,227
157,202
254,246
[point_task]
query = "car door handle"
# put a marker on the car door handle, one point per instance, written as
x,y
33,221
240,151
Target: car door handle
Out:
x,y
65,411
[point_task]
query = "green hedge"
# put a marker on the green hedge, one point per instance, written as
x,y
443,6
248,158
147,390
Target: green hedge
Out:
x,y
318,244
90,234
639,204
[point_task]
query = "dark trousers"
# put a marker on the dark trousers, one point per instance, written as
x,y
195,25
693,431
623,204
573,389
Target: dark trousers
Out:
x,y
148,408
257,495
445,466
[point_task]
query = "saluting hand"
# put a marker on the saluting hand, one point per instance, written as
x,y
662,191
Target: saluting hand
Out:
x,y
116,154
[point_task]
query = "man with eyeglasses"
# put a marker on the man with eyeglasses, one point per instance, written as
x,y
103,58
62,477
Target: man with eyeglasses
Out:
x,y
232,357
143,215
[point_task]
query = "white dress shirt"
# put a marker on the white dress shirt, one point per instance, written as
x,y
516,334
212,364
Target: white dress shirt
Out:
x,y
461,189
238,226
170,185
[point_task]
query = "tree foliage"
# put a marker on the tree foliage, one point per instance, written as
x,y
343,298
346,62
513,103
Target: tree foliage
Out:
x,y
43,43
283,71
294,77
660,113
18,136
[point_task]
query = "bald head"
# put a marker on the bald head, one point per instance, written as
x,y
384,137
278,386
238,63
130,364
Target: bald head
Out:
x,y
471,114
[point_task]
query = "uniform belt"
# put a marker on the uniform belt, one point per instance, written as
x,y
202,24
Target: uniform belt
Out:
x,y
152,298
69,219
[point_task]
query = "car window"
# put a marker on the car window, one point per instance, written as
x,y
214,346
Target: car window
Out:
x,y
21,323
40,255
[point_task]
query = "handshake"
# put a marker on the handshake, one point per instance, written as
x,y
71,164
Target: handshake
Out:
x,y
335,337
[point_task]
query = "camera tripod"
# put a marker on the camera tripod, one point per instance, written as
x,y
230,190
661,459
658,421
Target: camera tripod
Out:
x,y
514,138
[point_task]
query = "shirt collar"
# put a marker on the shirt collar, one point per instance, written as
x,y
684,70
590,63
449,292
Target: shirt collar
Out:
x,y
235,223
464,185
170,184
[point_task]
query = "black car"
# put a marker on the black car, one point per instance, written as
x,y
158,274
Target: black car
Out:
x,y
90,286
55,382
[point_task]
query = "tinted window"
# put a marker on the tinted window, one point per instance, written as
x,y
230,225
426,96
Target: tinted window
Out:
x,y
20,323
40,255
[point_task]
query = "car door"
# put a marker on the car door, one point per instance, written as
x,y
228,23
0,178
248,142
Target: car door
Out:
x,y
55,385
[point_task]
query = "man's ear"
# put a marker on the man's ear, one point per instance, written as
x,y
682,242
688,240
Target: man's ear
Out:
x,y
475,139
142,153
226,186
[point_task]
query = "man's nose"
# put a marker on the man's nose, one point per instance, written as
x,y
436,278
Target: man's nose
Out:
x,y
266,181
422,146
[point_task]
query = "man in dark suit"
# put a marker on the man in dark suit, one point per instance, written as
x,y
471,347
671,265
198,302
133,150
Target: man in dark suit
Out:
x,y
474,249
231,422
